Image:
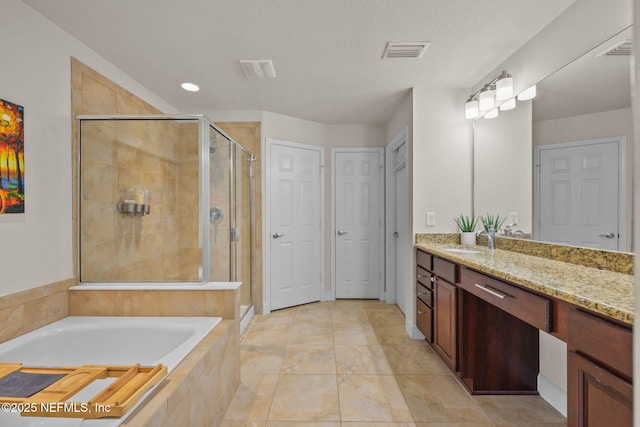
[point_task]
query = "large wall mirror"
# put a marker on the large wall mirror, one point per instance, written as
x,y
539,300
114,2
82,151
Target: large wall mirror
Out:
x,y
561,165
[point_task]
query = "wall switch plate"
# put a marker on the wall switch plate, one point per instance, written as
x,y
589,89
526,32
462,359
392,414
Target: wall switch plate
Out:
x,y
512,218
431,219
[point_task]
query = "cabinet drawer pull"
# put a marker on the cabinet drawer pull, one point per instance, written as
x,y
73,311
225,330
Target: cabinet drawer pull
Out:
x,y
422,293
421,277
420,312
491,291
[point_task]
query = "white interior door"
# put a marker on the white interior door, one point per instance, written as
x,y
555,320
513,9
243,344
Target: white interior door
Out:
x,y
358,214
401,234
294,226
579,195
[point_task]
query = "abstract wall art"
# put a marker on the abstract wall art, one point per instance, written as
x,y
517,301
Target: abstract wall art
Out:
x,y
11,158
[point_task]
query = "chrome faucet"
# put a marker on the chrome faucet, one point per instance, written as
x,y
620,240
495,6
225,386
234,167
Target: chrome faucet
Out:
x,y
507,229
491,234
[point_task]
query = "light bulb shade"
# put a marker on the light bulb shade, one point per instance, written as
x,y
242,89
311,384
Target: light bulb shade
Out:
x,y
471,110
491,114
486,100
528,93
509,104
504,88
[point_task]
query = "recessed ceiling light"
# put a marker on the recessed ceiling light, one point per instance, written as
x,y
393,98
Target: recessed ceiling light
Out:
x,y
190,87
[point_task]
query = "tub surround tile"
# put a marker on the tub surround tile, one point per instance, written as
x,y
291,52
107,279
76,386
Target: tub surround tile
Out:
x,y
601,291
27,310
184,397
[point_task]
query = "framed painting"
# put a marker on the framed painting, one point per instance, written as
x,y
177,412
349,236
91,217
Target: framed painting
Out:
x,y
11,158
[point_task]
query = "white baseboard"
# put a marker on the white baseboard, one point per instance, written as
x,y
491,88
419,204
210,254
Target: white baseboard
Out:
x,y
412,330
553,394
246,319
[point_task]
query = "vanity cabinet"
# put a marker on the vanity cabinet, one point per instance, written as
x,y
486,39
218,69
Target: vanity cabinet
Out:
x,y
424,294
446,324
600,370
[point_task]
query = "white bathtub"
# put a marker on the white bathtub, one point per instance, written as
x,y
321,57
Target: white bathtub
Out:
x,y
80,340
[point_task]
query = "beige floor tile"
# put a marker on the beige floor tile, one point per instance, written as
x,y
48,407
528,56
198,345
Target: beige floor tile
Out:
x,y
268,334
371,398
352,359
310,333
414,358
318,315
252,400
303,424
439,398
261,359
309,359
373,424
280,316
354,334
530,425
518,409
392,333
454,425
305,398
385,316
349,315
243,424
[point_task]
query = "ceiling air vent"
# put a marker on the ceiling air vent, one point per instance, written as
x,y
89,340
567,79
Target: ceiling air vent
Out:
x,y
623,48
258,68
412,50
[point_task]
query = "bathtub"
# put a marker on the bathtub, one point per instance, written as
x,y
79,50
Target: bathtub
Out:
x,y
81,340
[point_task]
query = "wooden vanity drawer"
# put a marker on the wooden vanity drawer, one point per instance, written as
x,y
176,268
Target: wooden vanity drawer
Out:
x,y
603,341
526,306
424,320
424,277
444,269
424,294
424,260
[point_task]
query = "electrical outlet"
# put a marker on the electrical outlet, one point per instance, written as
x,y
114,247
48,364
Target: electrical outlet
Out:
x,y
512,218
431,219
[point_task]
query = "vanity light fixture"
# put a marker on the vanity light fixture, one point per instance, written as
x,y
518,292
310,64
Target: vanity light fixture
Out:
x,y
471,108
486,99
504,86
497,95
190,87
527,94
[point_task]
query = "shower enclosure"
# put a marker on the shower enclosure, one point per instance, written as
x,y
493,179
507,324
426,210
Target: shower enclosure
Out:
x,y
164,199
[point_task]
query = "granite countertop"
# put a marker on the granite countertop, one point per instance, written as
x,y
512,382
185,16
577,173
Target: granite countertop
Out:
x,y
605,292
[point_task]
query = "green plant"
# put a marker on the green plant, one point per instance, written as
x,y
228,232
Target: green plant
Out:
x,y
465,223
492,221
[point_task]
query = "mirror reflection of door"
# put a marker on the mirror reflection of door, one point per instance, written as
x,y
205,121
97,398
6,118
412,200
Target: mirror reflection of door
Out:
x,y
581,193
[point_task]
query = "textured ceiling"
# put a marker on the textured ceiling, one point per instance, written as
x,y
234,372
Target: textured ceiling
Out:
x,y
326,53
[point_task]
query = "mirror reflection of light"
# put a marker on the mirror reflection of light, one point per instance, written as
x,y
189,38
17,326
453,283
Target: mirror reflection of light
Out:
x,y
509,104
527,94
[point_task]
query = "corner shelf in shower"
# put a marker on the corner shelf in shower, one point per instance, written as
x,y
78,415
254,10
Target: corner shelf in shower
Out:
x,y
112,401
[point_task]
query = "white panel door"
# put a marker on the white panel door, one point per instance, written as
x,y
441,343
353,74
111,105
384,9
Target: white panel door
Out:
x,y
579,195
294,227
358,222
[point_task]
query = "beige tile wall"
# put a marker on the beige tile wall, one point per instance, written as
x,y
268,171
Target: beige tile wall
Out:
x,y
22,312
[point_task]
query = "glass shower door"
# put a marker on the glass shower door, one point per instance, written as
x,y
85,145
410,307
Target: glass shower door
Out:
x,y
243,220
220,206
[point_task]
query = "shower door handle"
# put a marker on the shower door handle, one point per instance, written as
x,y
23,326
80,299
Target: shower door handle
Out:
x,y
277,236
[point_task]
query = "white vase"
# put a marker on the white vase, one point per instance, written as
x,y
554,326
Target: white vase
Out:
x,y
468,238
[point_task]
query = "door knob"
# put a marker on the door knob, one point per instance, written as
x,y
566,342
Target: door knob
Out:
x,y
608,235
340,232
277,236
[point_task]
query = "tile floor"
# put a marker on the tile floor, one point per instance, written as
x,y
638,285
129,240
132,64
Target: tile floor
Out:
x,y
351,364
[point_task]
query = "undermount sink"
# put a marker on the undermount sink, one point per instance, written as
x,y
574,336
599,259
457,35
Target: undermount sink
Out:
x,y
462,251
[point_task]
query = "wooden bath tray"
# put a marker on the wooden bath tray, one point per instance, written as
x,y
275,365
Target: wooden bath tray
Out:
x,y
113,401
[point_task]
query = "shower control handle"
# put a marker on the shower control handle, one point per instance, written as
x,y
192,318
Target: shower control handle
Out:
x,y
277,236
